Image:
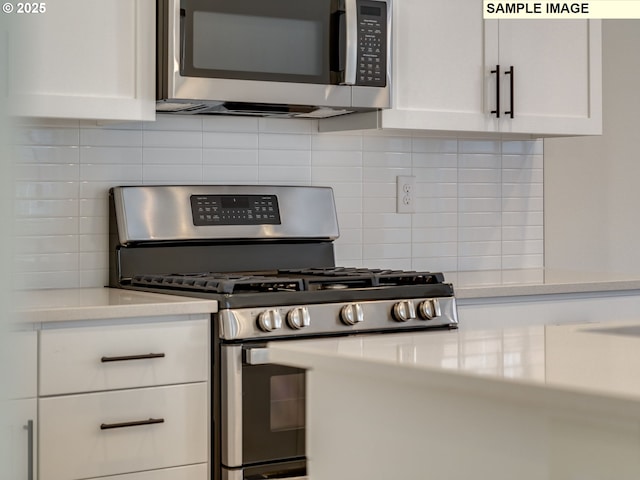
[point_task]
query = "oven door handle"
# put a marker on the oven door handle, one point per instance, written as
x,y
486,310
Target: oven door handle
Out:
x,y
256,356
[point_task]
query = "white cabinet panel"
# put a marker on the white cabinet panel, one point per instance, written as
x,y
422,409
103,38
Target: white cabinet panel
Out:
x,y
74,443
191,472
557,75
85,59
438,67
22,354
444,53
19,458
88,359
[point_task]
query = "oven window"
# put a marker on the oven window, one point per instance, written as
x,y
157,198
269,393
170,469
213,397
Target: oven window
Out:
x,y
273,413
287,402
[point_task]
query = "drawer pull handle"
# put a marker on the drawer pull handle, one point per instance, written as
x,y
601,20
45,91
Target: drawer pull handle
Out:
x,y
151,421
131,357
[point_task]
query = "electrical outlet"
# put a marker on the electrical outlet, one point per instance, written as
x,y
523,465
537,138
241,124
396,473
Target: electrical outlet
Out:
x,y
405,193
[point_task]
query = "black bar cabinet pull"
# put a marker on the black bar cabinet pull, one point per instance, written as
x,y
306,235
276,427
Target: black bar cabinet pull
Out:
x,y
511,110
131,357
29,428
497,72
151,421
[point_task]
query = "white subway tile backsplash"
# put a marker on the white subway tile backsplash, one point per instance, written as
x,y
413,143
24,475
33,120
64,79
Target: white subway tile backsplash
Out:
x,y
111,155
177,139
282,125
284,175
226,124
46,208
176,123
282,141
104,137
42,226
243,140
230,174
384,143
172,156
337,143
167,174
434,145
478,203
49,190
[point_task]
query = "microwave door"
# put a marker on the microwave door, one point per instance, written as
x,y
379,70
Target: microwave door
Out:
x,y
278,41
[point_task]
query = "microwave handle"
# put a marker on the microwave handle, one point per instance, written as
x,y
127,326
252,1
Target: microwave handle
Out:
x,y
351,42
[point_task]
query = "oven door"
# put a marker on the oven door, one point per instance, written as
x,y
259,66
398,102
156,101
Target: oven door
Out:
x,y
263,416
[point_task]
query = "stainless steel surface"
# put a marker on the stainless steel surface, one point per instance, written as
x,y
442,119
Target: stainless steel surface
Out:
x,y
351,64
298,318
270,320
326,318
239,475
231,380
257,355
158,213
351,314
429,309
404,311
331,100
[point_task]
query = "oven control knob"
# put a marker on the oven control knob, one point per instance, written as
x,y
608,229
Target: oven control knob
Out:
x,y
299,318
351,314
404,311
269,320
429,309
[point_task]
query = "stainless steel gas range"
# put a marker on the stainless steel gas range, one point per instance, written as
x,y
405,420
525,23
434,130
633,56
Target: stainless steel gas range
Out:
x,y
266,254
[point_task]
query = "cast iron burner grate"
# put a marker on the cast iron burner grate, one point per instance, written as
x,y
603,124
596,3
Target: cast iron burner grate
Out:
x,y
220,283
291,280
319,278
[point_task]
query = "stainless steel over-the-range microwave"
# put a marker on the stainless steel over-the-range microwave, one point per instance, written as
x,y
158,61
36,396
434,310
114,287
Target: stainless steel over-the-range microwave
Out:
x,y
295,58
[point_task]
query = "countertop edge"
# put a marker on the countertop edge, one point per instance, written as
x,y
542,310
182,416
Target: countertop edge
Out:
x,y
543,396
105,303
497,291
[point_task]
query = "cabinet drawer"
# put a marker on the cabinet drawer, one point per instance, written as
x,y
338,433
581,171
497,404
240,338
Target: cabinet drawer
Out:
x,y
84,436
190,472
88,359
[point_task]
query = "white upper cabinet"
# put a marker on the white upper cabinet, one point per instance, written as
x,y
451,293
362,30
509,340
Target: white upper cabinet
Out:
x,y
86,59
444,73
556,68
438,67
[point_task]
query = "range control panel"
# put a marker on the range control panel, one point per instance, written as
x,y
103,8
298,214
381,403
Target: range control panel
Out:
x,y
235,210
372,43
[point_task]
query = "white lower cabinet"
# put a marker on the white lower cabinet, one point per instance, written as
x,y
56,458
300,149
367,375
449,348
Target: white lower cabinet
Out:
x,y
19,408
190,472
93,435
20,433
127,400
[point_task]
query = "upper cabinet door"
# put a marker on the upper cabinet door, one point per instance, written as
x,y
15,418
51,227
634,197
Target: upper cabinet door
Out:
x,y
555,86
438,67
86,59
445,75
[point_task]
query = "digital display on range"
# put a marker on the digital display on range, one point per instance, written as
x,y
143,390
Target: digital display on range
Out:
x,y
235,210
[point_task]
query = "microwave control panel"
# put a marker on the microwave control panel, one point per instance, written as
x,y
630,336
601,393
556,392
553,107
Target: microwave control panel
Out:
x,y
372,43
235,210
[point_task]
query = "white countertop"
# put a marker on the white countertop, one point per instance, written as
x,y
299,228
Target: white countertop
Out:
x,y
102,303
596,366
503,283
